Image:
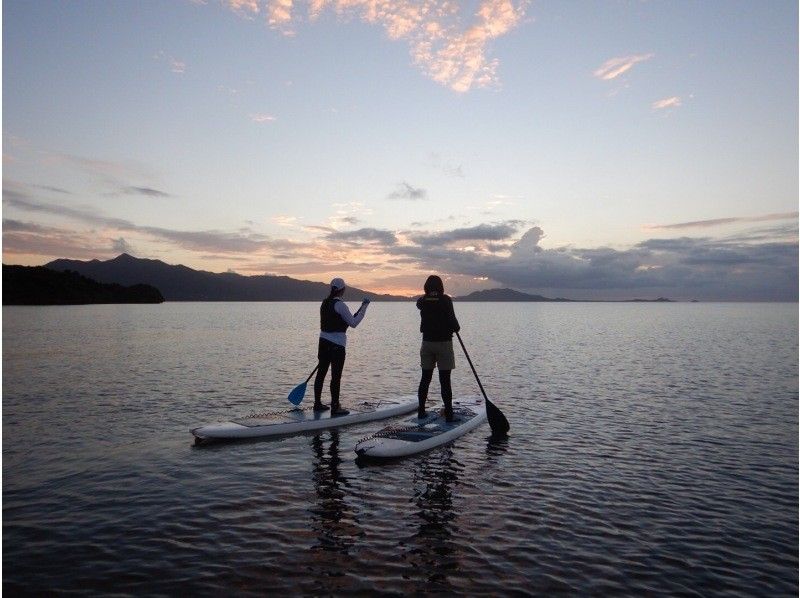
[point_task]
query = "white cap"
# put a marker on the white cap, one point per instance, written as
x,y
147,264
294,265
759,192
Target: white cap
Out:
x,y
337,283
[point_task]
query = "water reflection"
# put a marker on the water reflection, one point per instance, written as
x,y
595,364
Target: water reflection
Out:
x,y
496,447
433,551
332,518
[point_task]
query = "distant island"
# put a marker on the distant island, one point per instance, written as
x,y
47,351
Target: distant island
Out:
x,y
504,295
37,285
181,283
500,295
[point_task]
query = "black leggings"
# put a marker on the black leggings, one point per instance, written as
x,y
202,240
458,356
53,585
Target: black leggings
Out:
x,y
444,382
333,355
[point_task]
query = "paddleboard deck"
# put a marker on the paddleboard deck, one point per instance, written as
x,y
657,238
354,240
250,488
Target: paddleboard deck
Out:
x,y
417,435
297,421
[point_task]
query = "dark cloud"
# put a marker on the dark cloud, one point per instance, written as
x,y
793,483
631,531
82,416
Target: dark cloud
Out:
x,y
352,220
481,232
149,192
385,237
25,227
319,229
121,246
406,191
681,268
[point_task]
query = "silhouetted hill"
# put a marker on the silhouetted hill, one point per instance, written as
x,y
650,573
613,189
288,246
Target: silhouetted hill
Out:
x,y
504,295
180,283
37,285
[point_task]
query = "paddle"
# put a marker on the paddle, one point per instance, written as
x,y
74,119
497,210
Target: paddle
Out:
x,y
296,396
497,421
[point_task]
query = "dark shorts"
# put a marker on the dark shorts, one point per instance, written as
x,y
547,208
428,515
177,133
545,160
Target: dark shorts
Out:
x,y
330,352
437,353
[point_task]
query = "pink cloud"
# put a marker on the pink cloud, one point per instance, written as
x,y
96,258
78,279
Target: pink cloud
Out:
x,y
672,102
614,67
446,51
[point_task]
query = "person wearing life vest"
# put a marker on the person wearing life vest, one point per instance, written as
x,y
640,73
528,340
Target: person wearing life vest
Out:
x,y
335,319
437,327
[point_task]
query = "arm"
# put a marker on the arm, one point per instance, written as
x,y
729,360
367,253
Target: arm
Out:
x,y
352,320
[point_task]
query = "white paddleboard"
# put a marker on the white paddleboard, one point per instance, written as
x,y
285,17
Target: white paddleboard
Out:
x,y
417,435
296,421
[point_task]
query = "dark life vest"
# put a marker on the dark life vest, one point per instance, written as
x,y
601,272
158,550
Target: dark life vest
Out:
x,y
330,321
438,322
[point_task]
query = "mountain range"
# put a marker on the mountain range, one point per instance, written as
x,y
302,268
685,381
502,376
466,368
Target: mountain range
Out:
x,y
181,283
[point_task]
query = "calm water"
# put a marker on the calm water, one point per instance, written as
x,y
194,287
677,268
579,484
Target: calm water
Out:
x,y
653,449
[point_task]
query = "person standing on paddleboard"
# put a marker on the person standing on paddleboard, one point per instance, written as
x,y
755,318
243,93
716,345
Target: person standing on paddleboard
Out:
x,y
335,319
437,327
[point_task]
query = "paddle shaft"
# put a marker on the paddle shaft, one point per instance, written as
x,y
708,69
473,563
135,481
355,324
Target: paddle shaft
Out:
x,y
473,368
311,374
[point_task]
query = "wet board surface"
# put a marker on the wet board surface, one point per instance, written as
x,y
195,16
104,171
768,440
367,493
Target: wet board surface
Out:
x,y
415,435
296,421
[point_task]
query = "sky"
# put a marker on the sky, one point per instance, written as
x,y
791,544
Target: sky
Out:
x,y
611,149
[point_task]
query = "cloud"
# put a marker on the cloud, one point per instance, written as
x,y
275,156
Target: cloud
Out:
x,y
681,268
446,50
16,199
107,169
27,238
121,246
10,225
781,232
447,167
722,221
673,102
406,191
364,234
285,221
614,67
114,175
263,118
175,65
209,241
244,6
313,267
148,191
481,232
53,189
279,13
347,214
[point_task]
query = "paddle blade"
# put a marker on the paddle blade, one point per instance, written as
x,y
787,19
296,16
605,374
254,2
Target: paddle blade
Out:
x,y
497,421
296,396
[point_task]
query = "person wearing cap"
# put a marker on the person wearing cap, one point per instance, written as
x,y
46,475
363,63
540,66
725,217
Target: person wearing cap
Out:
x,y
335,319
438,323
